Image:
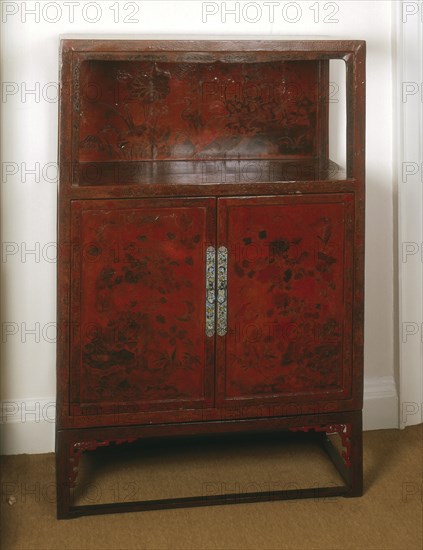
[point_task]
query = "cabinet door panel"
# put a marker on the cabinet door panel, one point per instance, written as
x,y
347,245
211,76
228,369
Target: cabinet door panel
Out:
x,y
289,298
138,305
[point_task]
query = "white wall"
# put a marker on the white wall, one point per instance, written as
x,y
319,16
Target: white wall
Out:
x,y
29,135
409,146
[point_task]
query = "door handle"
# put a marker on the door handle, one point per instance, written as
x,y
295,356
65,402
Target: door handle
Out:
x,y
222,290
210,290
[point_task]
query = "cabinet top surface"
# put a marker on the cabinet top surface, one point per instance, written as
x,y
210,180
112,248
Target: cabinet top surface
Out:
x,y
211,43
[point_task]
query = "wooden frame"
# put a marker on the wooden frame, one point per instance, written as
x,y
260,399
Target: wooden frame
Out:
x,y
313,176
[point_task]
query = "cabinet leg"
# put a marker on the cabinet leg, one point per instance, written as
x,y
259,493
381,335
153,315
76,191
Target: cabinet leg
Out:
x,y
348,462
71,444
68,454
63,485
356,468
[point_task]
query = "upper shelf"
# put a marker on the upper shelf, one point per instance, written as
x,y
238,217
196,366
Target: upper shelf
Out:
x,y
178,172
151,109
191,112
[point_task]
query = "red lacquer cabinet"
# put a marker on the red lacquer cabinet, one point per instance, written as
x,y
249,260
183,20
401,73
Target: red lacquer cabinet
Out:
x,y
211,272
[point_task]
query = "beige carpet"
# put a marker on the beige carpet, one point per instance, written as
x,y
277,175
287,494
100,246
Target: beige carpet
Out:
x,y
388,516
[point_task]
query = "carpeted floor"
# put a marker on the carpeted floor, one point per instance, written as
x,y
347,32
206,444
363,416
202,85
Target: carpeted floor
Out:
x,y
389,516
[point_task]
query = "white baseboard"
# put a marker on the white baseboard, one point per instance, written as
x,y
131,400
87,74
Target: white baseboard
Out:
x,y
380,409
27,425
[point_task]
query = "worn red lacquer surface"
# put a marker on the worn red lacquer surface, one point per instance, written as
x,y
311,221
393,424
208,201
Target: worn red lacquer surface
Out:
x,y
167,147
290,264
144,110
138,302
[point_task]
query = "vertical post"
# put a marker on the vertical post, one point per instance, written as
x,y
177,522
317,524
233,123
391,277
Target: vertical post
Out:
x,y
356,474
62,476
356,134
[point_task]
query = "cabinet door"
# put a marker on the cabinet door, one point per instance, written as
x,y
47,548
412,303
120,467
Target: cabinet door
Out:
x,y
138,303
289,299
